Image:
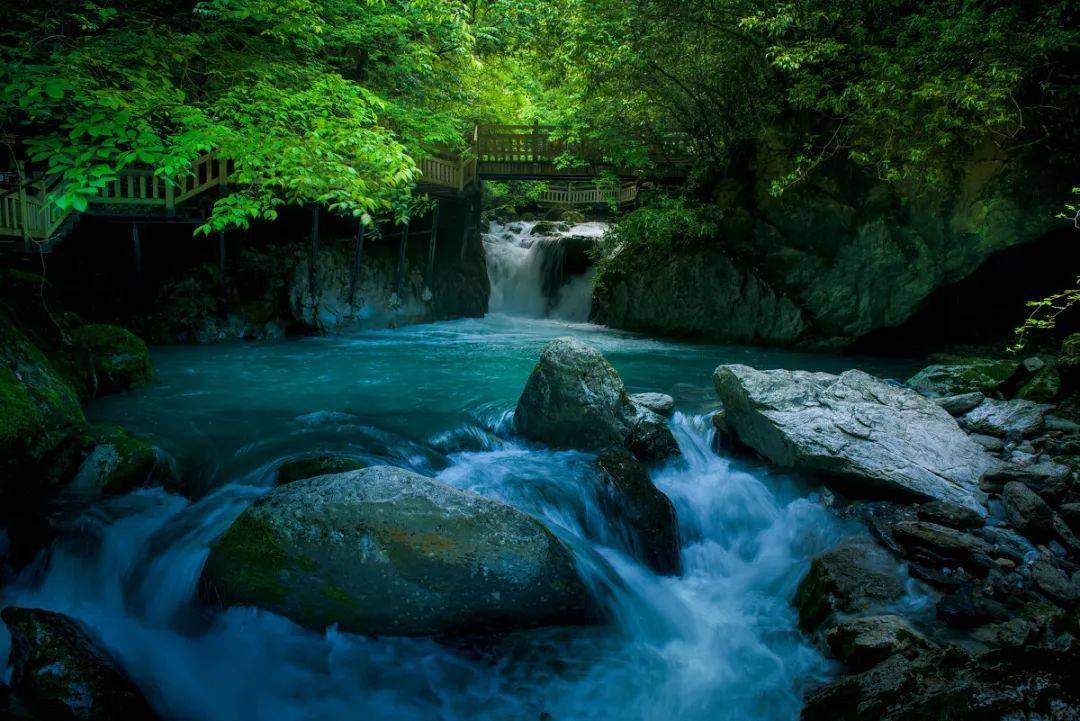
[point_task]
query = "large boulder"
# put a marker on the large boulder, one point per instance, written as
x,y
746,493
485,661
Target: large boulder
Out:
x,y
574,398
644,514
973,375
856,576
60,673
875,437
120,359
385,550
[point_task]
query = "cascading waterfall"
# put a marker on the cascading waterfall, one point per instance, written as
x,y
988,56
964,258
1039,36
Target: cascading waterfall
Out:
x,y
541,276
717,642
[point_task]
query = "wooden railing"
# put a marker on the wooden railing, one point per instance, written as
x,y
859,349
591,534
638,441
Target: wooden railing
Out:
x,y
588,194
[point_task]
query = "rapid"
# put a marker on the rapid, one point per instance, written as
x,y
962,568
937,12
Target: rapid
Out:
x,y
717,643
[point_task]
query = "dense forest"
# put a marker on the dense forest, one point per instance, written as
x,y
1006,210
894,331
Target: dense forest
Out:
x,y
539,359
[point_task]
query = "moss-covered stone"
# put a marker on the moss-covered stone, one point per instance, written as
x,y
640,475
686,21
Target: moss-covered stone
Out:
x,y
120,359
631,501
384,550
40,415
60,673
1043,387
117,461
316,465
985,375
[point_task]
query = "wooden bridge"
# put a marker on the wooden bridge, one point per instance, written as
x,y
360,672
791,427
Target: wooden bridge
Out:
x,y
497,152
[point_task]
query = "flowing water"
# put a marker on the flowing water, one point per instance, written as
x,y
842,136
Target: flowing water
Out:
x,y
718,642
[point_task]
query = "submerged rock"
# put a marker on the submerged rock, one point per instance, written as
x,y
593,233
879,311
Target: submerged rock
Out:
x,y
120,359
385,550
855,576
59,673
574,398
975,375
854,428
629,498
296,469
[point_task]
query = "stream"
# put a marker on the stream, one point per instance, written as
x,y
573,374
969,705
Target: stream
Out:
x,y
718,642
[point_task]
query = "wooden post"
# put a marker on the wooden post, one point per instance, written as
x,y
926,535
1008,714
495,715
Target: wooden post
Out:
x,y
170,197
431,243
223,276
313,254
358,261
536,145
136,247
401,259
24,215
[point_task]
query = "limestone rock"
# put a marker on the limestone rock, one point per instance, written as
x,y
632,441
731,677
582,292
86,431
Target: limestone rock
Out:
x,y
574,398
385,550
1004,419
61,674
659,403
975,375
629,498
855,576
875,437
961,404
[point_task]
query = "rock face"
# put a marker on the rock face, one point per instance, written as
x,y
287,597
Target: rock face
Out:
x,y
384,550
575,399
59,673
855,576
833,259
961,377
853,427
629,499
120,359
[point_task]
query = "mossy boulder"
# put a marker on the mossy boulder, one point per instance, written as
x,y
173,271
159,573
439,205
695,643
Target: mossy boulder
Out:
x,y
310,466
985,375
856,576
40,415
384,550
120,359
117,461
1043,387
60,673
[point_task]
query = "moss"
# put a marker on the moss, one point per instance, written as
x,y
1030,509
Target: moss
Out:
x,y
252,557
120,359
316,465
1044,387
964,375
119,461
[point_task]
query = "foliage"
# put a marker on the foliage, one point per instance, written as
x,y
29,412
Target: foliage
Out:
x,y
508,199
647,237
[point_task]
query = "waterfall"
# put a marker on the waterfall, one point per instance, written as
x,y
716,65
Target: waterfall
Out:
x,y
541,276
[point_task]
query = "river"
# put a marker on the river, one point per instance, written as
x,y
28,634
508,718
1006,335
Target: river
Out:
x,y
718,642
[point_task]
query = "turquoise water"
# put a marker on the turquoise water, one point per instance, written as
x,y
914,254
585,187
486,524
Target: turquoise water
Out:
x,y
717,643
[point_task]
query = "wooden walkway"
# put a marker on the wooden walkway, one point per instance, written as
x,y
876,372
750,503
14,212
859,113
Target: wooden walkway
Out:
x,y
498,152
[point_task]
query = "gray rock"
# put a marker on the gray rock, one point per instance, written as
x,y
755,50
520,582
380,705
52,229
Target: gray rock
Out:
x,y
855,576
1034,364
864,642
314,465
575,399
1050,480
660,403
636,506
384,550
1005,419
1005,542
975,375
60,673
1014,632
990,443
936,546
1057,423
950,514
1027,512
1070,513
877,437
961,404
1052,581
